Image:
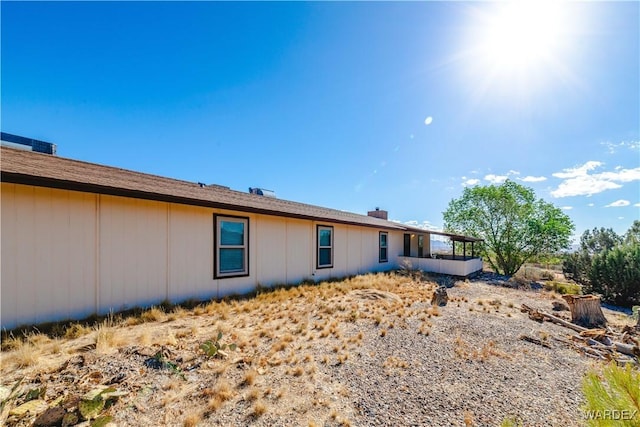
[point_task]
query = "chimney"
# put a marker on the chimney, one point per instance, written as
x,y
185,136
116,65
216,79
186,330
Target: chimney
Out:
x,y
378,214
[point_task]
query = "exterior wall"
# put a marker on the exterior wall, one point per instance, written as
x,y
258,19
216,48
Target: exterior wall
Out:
x,y
67,255
48,268
446,266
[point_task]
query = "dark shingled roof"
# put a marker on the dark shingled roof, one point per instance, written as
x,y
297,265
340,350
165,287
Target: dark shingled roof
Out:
x,y
26,167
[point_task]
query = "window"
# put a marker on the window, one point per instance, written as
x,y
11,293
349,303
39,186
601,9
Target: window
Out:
x,y
231,246
384,237
325,246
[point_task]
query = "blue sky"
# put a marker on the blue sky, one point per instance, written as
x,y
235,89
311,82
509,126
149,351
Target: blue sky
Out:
x,y
345,105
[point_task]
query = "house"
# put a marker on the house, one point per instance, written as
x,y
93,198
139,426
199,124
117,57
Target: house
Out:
x,y
81,238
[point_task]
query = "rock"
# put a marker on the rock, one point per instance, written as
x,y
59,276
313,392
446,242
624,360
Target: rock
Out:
x,y
558,306
50,417
440,297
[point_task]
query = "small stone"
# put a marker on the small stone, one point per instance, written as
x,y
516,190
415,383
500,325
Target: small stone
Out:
x,y
50,417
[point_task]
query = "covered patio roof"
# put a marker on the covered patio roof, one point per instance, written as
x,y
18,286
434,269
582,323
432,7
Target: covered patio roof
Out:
x,y
454,237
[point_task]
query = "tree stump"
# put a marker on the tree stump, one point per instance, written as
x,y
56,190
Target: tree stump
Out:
x,y
586,310
440,297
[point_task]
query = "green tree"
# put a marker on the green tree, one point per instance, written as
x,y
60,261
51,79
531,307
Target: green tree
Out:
x,y
577,265
514,225
633,234
599,240
608,264
615,274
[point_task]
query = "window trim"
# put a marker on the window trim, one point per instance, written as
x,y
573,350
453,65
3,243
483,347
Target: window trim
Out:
x,y
318,247
216,246
380,247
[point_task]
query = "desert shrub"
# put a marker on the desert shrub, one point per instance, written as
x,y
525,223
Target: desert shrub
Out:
x,y
576,267
563,288
616,275
547,275
613,398
608,264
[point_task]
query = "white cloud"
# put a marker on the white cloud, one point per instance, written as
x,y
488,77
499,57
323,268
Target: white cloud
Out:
x,y
428,120
618,203
637,205
566,208
591,204
613,147
620,217
470,182
530,178
512,172
579,182
425,225
622,175
495,179
577,171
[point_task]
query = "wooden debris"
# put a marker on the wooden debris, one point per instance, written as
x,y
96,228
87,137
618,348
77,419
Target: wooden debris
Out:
x,y
533,340
585,310
598,343
440,297
535,314
559,306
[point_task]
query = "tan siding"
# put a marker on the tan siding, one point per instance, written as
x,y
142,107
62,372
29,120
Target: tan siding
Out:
x,y
300,250
270,250
70,254
354,250
191,253
369,250
133,245
47,254
9,255
340,251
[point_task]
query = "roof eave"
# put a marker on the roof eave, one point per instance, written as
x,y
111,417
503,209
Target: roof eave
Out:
x,y
24,179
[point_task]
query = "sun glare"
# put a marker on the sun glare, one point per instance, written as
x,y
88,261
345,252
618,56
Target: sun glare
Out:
x,y
518,45
522,35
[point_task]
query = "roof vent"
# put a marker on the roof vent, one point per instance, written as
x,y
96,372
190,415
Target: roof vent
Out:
x,y
378,214
221,187
262,192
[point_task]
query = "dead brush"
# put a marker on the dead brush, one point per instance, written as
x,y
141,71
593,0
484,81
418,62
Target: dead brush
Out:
x,y
23,355
465,351
154,314
250,377
76,330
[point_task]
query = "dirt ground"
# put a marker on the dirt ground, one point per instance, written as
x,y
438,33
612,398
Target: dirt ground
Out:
x,y
370,350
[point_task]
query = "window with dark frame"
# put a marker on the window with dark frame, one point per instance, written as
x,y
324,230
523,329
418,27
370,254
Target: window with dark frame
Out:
x,y
324,254
384,247
231,246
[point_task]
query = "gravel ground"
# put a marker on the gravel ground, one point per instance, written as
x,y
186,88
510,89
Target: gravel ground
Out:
x,y
370,351
442,387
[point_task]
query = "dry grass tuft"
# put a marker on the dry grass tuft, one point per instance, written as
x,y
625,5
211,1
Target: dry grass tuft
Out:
x,y
76,331
259,409
154,314
26,354
192,420
253,394
250,377
223,391
106,339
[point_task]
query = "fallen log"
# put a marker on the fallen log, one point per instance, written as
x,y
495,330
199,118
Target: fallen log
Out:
x,y
586,335
536,313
